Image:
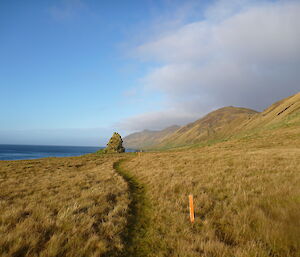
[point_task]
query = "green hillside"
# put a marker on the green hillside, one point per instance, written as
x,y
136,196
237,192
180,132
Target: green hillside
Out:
x,y
217,124
281,113
147,138
220,124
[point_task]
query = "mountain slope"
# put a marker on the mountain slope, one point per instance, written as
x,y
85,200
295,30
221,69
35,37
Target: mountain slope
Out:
x,y
147,138
278,114
217,124
222,123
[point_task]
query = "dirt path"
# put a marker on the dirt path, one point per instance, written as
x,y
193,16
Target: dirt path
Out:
x,y
135,235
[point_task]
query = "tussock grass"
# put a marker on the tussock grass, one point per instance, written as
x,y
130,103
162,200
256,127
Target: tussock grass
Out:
x,y
246,193
62,207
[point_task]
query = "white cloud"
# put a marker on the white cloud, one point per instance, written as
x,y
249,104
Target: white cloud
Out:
x,y
243,53
222,9
155,120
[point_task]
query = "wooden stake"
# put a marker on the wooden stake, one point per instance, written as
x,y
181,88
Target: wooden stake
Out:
x,y
192,213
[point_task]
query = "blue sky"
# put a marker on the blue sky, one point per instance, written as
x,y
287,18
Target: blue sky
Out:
x,y
74,71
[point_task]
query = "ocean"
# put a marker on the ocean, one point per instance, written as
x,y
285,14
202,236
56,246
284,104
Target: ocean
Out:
x,y
27,152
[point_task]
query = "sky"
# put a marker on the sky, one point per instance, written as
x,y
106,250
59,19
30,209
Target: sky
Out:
x,y
74,71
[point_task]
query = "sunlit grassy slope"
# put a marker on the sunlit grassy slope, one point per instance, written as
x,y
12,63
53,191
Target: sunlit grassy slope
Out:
x,y
246,192
62,207
282,113
215,125
218,125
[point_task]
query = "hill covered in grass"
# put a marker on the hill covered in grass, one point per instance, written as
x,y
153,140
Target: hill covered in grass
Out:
x,y
147,138
278,114
217,124
220,124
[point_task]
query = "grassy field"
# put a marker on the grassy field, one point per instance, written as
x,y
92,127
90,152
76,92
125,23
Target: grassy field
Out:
x,y
246,193
62,207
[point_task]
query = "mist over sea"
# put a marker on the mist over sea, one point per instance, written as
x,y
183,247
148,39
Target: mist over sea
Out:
x,y
27,152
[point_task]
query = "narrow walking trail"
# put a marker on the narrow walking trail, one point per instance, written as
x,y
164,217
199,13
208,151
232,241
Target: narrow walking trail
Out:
x,y
135,235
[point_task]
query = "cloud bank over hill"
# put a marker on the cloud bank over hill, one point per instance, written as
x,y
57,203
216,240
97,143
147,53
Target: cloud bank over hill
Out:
x,y
242,53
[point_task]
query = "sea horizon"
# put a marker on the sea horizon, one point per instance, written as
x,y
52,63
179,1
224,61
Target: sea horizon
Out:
x,y
54,145
10,152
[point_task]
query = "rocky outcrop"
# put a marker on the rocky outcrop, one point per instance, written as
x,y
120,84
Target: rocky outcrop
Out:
x,y
115,144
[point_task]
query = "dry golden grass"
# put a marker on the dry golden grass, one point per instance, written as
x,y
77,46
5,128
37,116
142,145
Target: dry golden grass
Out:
x,y
62,207
246,193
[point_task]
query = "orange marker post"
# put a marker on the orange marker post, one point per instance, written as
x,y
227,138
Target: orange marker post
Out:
x,y
192,213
